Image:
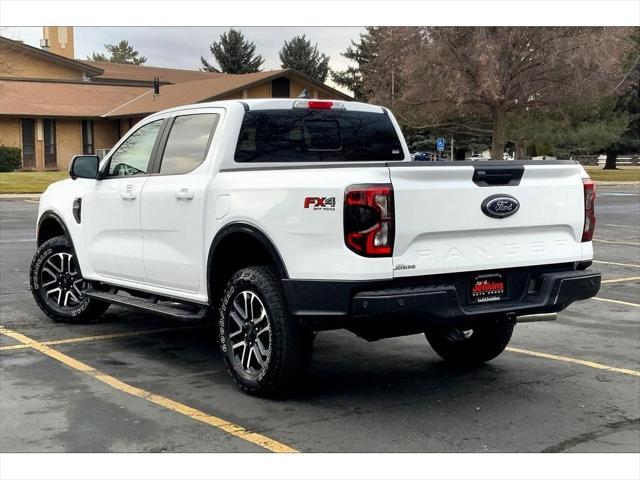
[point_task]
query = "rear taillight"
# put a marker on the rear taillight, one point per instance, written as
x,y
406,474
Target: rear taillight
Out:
x,y
368,220
589,209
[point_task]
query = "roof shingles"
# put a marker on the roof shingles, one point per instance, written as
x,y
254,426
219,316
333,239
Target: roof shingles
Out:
x,y
62,99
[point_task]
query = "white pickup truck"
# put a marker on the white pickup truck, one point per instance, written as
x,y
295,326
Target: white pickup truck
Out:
x,y
280,218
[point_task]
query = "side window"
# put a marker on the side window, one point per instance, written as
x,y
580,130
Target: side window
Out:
x,y
133,156
187,143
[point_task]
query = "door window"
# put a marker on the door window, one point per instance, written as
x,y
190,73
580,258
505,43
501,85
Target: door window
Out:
x,y
133,156
280,88
87,137
28,143
187,143
50,160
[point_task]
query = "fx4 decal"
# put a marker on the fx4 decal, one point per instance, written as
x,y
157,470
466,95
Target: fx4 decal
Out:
x,y
320,203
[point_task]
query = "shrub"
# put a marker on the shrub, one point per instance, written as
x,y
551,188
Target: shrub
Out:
x,y
10,158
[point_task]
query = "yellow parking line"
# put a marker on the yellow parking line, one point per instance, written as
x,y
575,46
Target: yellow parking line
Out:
x,y
108,336
611,241
618,280
577,361
231,428
619,264
629,304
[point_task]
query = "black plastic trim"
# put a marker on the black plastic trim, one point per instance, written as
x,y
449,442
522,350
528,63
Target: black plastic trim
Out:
x,y
54,216
255,232
335,304
245,105
492,176
77,210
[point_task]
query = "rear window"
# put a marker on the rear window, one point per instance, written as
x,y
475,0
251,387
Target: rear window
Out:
x,y
307,135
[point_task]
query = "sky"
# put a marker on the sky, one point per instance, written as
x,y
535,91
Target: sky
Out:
x,y
181,47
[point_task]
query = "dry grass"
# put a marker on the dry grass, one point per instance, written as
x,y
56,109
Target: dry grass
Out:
x,y
29,182
626,174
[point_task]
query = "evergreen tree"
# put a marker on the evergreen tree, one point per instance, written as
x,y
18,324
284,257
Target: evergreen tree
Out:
x,y
362,53
299,54
121,52
233,54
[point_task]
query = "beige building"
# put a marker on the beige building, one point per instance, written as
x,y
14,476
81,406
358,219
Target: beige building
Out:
x,y
53,106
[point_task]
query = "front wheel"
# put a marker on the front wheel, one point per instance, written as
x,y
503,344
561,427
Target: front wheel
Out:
x,y
471,346
57,286
264,349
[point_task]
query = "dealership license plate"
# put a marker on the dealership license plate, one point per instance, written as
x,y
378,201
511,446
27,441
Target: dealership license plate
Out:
x,y
487,288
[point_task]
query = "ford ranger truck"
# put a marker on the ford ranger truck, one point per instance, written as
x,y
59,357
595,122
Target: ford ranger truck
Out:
x,y
280,218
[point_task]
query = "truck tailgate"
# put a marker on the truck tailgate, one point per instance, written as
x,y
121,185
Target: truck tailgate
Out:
x,y
441,226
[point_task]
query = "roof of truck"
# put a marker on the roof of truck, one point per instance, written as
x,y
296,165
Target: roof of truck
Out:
x,y
274,104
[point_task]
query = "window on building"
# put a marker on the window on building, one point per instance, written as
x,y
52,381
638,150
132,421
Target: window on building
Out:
x,y
88,147
280,87
132,157
187,143
49,127
28,143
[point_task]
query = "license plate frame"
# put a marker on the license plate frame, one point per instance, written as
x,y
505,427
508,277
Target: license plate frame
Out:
x,y
487,288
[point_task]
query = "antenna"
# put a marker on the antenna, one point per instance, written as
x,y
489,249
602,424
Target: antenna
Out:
x,y
304,94
156,86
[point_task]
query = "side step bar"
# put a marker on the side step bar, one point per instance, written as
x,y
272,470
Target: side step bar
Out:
x,y
167,308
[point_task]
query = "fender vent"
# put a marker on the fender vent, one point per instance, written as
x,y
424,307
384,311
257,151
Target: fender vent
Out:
x,y
77,209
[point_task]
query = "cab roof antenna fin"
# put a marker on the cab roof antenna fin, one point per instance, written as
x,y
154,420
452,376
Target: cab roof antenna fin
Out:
x,y
304,94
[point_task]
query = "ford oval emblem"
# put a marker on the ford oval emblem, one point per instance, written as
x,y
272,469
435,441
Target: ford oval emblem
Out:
x,y
500,206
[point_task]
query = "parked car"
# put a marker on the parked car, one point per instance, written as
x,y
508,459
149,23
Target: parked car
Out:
x,y
422,157
279,218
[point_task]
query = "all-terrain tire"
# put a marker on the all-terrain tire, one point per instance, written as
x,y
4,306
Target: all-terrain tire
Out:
x,y
243,328
54,268
471,347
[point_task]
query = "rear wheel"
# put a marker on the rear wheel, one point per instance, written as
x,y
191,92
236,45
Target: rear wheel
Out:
x,y
471,346
57,286
264,349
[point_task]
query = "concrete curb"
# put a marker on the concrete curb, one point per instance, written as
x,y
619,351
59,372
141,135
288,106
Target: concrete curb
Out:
x,y
16,196
610,183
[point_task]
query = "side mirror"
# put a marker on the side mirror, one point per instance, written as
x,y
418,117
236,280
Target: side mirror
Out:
x,y
84,166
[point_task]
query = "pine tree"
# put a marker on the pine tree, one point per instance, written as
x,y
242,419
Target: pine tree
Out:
x,y
233,54
362,53
300,55
121,52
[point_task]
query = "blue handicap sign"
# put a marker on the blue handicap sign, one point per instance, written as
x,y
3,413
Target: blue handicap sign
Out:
x,y
440,144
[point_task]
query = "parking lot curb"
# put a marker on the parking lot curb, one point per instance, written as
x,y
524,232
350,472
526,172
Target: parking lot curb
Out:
x,y
614,184
19,196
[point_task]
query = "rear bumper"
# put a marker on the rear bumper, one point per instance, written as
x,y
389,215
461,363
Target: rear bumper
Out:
x,y
438,300
556,292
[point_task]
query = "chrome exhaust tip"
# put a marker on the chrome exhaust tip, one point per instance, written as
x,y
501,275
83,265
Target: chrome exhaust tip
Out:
x,y
537,317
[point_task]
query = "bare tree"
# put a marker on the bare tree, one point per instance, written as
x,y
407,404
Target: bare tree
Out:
x,y
430,74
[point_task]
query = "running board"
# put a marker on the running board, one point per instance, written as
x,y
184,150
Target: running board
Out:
x,y
167,308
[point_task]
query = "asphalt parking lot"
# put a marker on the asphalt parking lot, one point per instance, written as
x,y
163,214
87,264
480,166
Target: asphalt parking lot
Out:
x,y
139,383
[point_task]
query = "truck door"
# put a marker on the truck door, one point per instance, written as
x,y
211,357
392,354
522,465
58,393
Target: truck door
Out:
x,y
174,201
111,207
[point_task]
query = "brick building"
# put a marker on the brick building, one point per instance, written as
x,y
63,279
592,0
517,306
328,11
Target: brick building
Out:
x,y
53,106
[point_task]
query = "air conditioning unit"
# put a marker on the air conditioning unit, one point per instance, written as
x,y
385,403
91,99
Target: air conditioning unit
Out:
x,y
102,152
